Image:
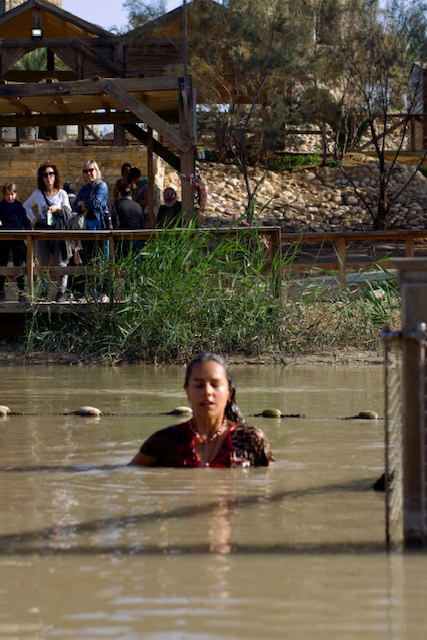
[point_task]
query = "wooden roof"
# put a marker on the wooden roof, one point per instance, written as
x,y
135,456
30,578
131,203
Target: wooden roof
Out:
x,y
55,22
95,89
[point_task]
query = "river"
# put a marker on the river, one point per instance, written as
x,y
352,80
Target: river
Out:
x,y
91,548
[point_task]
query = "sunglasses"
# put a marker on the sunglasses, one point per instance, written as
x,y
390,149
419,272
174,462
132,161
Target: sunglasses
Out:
x,y
48,173
170,195
89,170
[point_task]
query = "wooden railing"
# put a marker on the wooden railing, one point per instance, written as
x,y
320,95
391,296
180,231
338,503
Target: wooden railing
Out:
x,y
333,252
271,237
341,252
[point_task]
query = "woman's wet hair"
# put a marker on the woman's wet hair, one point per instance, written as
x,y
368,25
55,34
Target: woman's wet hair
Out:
x,y
232,411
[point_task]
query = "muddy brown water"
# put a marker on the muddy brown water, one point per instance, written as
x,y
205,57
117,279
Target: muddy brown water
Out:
x,y
90,548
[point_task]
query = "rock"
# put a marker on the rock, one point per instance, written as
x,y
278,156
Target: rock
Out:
x,y
313,192
181,411
368,415
88,411
271,413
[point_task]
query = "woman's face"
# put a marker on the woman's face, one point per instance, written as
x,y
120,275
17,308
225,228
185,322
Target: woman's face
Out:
x,y
49,178
208,390
89,174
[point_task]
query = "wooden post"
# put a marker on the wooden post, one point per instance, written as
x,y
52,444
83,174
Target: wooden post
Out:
x,y
188,159
413,285
119,136
409,242
151,214
341,262
275,260
30,265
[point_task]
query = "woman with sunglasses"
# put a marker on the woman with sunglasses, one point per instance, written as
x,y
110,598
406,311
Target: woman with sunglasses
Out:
x,y
91,200
50,199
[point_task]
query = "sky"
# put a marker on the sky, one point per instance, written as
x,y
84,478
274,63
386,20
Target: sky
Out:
x,y
104,13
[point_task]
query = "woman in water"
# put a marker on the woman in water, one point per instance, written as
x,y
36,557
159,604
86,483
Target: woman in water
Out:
x,y
216,435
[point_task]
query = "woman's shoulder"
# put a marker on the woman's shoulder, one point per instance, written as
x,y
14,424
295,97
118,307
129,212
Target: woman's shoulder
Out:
x,y
248,429
252,440
34,196
166,440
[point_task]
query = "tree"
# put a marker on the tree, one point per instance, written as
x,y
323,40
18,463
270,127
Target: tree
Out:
x,y
140,12
244,60
377,45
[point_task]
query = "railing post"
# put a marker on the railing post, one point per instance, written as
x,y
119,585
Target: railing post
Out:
x,y
341,262
409,242
30,265
275,260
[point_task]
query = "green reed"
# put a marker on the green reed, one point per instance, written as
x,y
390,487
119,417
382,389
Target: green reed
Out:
x,y
189,292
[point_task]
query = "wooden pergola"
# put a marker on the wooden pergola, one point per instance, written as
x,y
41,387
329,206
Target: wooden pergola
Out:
x,y
99,86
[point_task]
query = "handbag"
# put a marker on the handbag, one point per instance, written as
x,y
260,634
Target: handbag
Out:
x,y
77,222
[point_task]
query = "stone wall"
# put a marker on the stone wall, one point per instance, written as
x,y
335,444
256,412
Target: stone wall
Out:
x,y
19,164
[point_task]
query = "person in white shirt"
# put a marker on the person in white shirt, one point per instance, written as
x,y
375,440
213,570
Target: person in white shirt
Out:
x,y
51,202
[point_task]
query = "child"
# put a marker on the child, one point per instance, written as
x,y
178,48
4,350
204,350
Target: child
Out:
x,y
12,216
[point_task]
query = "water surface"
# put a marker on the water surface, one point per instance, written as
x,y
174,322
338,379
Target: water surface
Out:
x,y
90,548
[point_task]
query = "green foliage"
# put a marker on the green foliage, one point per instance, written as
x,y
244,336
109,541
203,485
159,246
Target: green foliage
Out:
x,y
140,12
296,162
190,292
187,292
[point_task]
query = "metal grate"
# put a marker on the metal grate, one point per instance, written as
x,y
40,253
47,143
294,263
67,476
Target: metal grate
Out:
x,y
393,438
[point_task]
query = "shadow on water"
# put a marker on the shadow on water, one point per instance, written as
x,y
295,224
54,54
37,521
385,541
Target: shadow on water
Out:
x,y
28,543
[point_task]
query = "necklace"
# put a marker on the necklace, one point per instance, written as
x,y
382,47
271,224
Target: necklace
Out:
x,y
208,439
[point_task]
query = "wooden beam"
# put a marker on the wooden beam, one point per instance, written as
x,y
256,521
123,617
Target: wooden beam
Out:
x,y
158,148
188,161
15,75
44,43
99,57
43,120
20,107
87,87
143,114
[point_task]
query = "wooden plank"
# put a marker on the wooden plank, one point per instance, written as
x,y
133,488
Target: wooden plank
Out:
x,y
144,114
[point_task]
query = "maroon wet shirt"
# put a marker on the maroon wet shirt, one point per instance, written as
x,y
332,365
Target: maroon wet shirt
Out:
x,y
243,446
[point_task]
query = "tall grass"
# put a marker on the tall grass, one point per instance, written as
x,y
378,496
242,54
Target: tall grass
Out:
x,y
187,293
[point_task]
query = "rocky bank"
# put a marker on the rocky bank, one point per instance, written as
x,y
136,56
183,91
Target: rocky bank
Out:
x,y
315,199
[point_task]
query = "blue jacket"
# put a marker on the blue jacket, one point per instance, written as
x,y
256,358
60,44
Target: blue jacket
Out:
x,y
95,198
